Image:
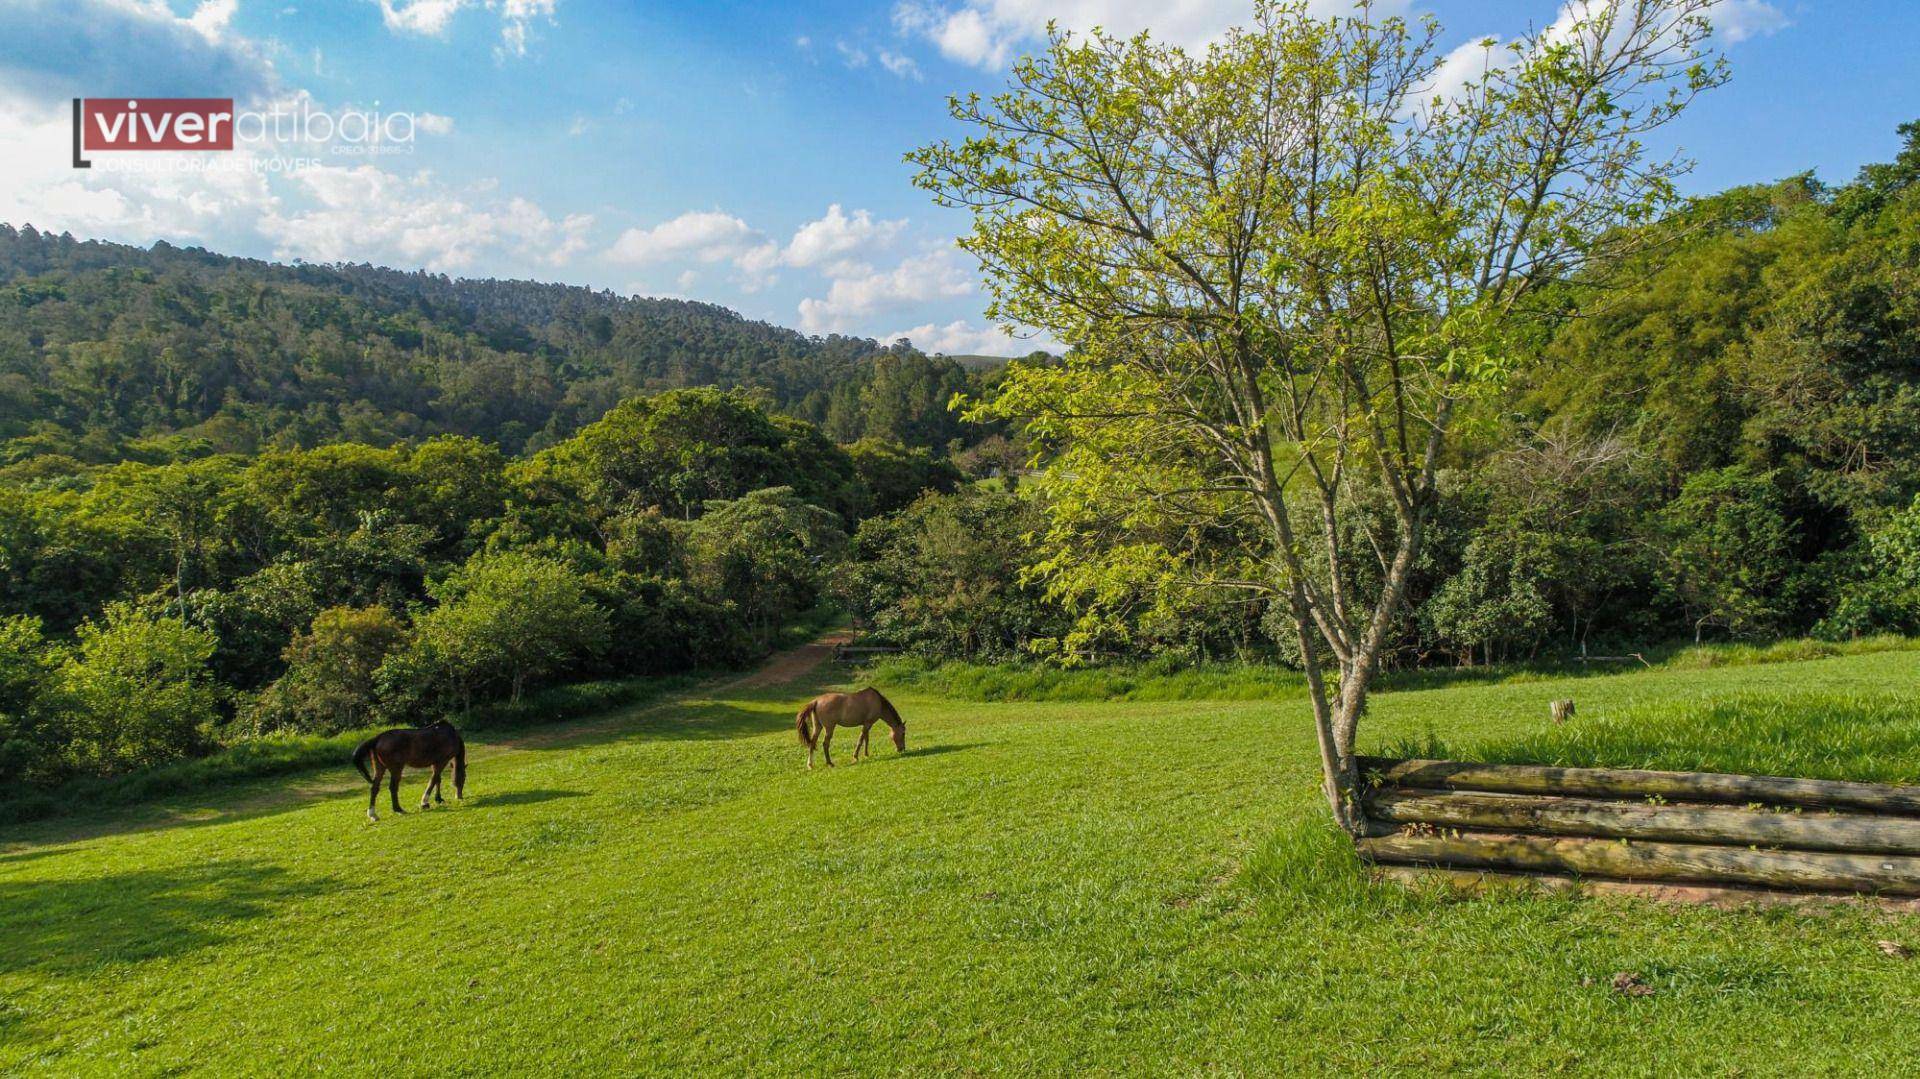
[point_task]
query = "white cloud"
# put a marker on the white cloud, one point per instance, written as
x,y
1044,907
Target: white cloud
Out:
x,y
962,338
1738,20
235,201
836,243
365,214
432,18
838,235
852,300
212,18
852,55
39,187
701,235
987,33
903,66
72,48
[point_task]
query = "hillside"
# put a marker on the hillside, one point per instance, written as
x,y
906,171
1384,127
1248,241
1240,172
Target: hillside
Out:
x,y
104,344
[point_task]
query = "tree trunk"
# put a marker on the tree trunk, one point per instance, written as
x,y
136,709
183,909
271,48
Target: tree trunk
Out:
x,y
1339,773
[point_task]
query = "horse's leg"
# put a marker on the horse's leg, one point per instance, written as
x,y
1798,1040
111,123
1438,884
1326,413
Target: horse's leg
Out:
x,y
427,794
373,796
826,742
393,786
861,748
437,769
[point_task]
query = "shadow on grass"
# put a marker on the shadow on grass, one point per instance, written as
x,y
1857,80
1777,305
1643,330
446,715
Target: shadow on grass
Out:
x,y
945,747
699,719
81,925
521,798
16,857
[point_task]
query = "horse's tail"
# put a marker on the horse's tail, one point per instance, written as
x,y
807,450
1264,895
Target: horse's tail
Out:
x,y
360,757
459,766
807,725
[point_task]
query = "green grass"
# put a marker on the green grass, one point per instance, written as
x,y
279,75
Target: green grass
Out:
x,y
1062,887
1268,682
1812,734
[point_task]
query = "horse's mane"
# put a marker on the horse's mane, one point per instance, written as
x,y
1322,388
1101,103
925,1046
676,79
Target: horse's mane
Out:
x,y
887,710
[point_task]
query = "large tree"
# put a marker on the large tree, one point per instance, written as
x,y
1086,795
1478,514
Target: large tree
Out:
x,y
1286,267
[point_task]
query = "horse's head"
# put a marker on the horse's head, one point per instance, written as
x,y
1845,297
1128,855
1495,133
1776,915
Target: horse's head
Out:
x,y
899,728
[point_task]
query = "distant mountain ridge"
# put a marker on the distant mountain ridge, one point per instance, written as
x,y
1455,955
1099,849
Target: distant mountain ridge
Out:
x,y
103,345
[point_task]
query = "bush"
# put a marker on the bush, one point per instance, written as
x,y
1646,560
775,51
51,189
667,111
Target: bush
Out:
x,y
659,625
30,734
505,621
329,684
138,692
944,577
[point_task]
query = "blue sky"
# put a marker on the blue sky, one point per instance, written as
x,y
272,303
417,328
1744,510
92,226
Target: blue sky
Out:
x,y
747,154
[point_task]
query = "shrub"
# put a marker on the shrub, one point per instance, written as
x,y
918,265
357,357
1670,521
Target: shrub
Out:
x,y
138,691
329,684
505,620
944,577
30,734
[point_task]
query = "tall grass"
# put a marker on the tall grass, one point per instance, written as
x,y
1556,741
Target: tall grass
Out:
x,y
1809,734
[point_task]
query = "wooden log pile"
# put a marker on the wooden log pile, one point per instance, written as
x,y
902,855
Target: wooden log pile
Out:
x,y
1766,832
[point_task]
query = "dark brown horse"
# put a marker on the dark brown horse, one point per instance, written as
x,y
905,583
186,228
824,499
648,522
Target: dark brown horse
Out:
x,y
822,714
421,747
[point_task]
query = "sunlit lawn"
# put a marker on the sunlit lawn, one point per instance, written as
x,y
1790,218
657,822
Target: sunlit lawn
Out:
x,y
1033,887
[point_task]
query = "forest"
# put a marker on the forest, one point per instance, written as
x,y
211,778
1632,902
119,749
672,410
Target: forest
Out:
x,y
240,500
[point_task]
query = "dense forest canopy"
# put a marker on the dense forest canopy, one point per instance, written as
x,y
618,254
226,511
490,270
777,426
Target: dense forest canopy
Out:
x,y
109,351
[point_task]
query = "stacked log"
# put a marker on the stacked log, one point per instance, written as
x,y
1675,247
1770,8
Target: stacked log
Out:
x,y
1632,825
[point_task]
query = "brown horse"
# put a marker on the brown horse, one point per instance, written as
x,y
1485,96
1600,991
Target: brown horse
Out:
x,y
863,709
422,747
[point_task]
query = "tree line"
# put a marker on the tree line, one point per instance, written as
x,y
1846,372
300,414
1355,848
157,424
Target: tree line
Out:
x,y
150,612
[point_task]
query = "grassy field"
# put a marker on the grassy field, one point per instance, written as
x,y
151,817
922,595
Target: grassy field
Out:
x,y
1035,887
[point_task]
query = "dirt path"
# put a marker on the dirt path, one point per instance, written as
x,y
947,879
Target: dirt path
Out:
x,y
779,669
791,665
